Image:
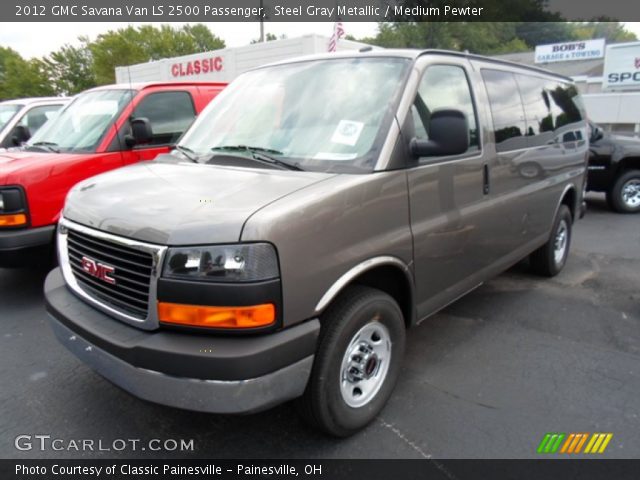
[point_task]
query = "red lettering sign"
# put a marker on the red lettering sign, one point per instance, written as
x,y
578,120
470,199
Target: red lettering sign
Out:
x,y
197,67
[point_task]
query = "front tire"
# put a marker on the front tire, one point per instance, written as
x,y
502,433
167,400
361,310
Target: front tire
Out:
x,y
550,259
624,196
357,363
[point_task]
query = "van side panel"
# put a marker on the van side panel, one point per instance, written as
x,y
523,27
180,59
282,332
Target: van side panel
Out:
x,y
339,223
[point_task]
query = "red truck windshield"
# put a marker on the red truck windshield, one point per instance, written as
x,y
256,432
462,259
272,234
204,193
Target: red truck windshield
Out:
x,y
81,126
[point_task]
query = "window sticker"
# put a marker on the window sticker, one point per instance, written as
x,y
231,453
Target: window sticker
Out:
x,y
347,132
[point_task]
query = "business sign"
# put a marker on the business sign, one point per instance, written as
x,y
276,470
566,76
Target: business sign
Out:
x,y
622,66
197,67
568,51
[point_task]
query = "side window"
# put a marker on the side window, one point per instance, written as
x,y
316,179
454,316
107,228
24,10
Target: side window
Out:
x,y
506,110
38,116
537,103
444,86
170,113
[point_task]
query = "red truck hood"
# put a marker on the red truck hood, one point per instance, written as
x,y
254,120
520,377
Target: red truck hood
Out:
x,y
12,162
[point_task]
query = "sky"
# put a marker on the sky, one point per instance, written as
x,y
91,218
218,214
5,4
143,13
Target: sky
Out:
x,y
26,38
39,39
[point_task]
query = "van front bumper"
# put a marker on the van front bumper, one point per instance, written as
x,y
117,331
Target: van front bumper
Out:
x,y
206,373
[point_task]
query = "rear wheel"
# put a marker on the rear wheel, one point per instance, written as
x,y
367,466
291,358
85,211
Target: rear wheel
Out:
x,y
549,259
624,196
357,362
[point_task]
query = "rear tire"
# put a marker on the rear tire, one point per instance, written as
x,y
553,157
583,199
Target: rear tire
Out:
x,y
549,259
624,195
357,362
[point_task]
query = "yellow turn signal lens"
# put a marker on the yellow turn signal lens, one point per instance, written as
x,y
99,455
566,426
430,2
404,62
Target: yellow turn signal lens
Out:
x,y
14,220
217,317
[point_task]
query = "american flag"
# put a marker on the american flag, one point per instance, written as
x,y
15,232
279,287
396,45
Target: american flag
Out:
x,y
338,33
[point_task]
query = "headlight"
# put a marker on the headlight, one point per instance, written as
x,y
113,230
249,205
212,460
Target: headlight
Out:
x,y
249,262
12,207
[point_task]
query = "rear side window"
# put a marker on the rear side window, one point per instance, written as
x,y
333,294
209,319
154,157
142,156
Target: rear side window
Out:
x,y
551,109
170,114
444,86
506,110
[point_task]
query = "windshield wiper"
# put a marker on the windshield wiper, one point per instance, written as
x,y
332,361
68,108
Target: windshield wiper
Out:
x,y
187,152
47,146
260,154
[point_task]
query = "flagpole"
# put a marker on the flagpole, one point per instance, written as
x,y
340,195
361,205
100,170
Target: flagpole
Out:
x,y
261,24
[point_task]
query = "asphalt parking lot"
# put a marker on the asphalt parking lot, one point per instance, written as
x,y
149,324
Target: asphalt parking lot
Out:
x,y
485,378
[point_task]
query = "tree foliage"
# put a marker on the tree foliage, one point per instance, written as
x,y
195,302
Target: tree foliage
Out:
x,y
70,69
133,45
492,37
22,78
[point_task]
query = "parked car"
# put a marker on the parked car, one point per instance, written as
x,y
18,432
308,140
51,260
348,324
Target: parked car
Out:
x,y
21,118
614,168
310,215
102,129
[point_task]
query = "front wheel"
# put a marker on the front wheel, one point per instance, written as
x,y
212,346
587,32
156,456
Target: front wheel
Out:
x,y
549,259
357,362
624,196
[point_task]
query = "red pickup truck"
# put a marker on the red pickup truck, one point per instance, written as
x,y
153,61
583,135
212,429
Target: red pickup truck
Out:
x,y
101,129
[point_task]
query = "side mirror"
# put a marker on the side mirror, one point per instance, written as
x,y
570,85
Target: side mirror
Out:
x,y
448,132
596,134
20,135
141,132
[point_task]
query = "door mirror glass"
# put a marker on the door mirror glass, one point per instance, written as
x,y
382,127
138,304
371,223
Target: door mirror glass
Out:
x,y
596,134
141,132
448,135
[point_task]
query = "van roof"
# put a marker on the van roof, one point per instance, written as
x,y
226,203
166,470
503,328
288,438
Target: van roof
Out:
x,y
413,54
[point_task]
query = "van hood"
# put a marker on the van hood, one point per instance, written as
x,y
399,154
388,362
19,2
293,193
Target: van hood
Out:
x,y
172,203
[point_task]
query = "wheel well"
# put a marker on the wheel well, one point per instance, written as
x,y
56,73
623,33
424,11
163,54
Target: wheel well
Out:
x,y
631,163
394,282
569,200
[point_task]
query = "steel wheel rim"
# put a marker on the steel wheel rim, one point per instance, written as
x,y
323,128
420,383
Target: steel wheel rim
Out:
x,y
631,193
365,364
560,242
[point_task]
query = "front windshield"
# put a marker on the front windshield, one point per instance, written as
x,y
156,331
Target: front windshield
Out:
x,y
81,125
6,113
323,115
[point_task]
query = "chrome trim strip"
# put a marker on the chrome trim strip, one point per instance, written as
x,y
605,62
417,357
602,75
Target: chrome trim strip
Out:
x,y
346,278
157,254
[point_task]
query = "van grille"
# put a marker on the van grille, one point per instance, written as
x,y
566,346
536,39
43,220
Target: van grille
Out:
x,y
131,271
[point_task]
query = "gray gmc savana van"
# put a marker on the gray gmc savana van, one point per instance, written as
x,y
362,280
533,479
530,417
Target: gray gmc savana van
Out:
x,y
315,211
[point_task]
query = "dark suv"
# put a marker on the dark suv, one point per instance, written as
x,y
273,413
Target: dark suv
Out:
x,y
614,168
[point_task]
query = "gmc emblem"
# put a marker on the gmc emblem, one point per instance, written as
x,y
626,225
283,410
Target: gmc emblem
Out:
x,y
98,270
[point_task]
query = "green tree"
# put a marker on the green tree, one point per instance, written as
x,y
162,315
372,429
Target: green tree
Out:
x,y
70,69
492,37
133,45
22,78
611,31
